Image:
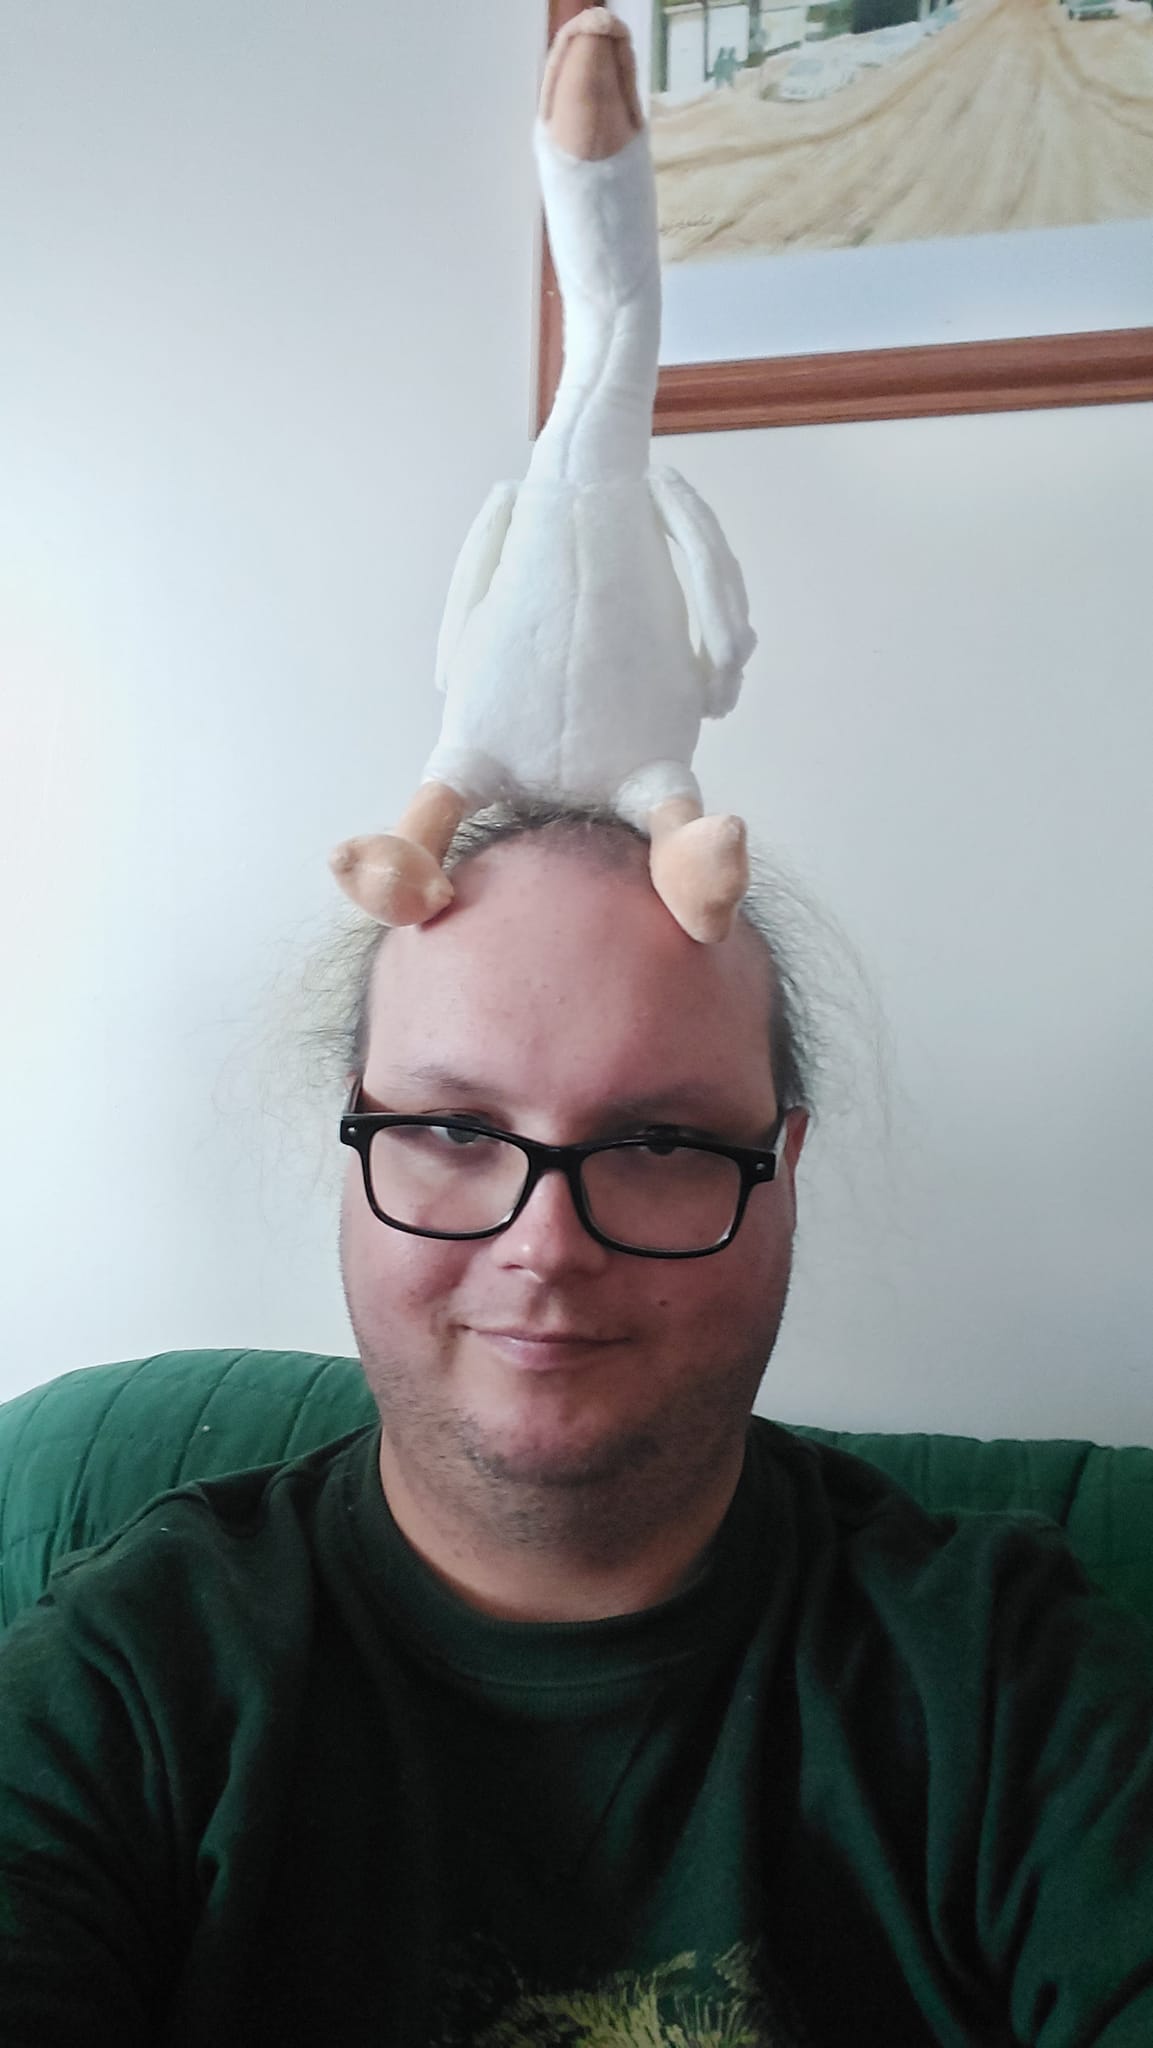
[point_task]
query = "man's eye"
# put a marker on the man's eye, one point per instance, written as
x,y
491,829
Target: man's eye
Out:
x,y
660,1142
462,1138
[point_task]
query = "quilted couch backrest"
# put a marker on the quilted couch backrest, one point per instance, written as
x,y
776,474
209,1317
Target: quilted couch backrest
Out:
x,y
79,1456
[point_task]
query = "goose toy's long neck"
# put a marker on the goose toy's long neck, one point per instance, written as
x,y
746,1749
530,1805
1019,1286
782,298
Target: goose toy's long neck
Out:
x,y
602,226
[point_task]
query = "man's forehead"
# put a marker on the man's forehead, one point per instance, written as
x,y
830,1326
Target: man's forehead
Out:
x,y
544,926
540,895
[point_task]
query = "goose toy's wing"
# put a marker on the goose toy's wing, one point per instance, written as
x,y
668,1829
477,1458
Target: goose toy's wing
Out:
x,y
474,571
716,587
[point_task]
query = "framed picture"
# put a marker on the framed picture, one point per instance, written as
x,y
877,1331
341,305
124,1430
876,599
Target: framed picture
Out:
x,y
873,209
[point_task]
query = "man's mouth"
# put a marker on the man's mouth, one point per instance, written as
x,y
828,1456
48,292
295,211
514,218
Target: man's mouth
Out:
x,y
536,1350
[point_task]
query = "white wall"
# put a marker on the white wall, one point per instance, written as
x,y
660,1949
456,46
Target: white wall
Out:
x,y
266,341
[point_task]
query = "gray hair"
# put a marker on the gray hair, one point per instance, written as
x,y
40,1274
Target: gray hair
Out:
x,y
600,834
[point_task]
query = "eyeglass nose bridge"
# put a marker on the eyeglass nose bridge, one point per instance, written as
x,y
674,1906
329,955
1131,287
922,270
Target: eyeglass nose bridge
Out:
x,y
567,1160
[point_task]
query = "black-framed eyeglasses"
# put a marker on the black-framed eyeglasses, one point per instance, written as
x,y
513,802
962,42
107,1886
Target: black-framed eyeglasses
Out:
x,y
656,1195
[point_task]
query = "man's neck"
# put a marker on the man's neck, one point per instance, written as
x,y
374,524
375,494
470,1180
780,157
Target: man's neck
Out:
x,y
585,1574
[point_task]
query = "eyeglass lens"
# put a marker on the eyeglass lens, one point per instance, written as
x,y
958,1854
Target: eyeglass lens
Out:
x,y
658,1198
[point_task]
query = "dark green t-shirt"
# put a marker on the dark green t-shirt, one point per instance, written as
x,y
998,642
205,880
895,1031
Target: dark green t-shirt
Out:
x,y
878,1779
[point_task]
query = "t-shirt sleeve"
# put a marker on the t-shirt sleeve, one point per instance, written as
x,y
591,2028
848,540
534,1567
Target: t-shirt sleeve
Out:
x,y
1065,1854
86,1902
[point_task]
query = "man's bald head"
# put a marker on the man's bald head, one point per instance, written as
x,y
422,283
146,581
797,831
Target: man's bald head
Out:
x,y
606,841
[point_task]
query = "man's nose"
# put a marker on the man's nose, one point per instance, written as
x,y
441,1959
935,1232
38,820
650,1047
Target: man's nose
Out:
x,y
548,1236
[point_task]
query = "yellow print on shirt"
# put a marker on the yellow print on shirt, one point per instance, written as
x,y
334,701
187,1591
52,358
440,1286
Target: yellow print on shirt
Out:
x,y
678,2005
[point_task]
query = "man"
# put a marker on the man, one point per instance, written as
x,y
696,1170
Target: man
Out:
x,y
566,1423
573,1707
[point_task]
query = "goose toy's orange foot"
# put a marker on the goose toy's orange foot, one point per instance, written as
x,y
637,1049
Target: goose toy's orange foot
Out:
x,y
398,876
393,879
699,868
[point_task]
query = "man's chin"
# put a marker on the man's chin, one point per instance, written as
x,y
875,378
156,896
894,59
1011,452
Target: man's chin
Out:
x,y
553,1460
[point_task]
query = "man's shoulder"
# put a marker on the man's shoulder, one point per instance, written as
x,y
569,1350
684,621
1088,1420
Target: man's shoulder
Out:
x,y
869,1555
839,1496
205,1554
862,1534
857,1504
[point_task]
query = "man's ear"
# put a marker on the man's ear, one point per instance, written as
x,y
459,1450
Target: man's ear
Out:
x,y
798,1127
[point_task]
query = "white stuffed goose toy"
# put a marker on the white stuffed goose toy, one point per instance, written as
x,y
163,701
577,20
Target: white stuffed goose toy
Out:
x,y
565,652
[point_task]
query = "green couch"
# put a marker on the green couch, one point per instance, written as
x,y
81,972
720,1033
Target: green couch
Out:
x,y
80,1455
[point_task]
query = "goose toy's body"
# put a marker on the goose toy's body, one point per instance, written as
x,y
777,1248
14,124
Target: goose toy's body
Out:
x,y
565,654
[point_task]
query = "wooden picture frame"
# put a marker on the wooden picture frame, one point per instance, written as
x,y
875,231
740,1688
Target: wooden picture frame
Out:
x,y
1088,368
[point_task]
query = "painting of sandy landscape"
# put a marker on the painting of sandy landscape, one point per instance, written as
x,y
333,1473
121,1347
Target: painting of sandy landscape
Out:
x,y
837,124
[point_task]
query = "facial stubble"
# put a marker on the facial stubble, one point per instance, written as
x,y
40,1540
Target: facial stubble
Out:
x,y
607,1500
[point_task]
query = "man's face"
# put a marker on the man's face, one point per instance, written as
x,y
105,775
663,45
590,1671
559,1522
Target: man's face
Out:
x,y
559,1000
